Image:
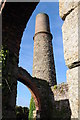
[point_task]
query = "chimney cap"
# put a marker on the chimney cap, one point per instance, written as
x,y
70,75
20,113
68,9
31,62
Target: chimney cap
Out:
x,y
42,23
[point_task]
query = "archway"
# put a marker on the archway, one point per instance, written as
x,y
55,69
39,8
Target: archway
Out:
x,y
27,80
16,18
40,91
13,25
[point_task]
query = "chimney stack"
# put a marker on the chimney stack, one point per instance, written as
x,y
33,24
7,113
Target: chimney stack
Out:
x,y
43,60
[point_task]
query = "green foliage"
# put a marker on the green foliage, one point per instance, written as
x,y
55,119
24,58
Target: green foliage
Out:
x,y
55,87
22,113
3,55
6,75
32,108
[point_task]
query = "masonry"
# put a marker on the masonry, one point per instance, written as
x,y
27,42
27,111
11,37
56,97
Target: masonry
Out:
x,y
43,60
14,19
62,101
70,13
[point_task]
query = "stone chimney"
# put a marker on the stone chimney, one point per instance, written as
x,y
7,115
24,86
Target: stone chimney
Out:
x,y
43,60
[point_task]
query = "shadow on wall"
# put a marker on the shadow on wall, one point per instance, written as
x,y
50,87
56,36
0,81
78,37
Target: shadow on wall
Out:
x,y
47,107
41,93
62,110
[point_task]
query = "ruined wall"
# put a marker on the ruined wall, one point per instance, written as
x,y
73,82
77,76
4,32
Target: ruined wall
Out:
x,y
14,14
60,91
62,109
14,19
41,92
70,13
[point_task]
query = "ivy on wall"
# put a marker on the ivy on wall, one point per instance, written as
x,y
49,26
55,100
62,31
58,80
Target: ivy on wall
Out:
x,y
5,53
4,56
32,108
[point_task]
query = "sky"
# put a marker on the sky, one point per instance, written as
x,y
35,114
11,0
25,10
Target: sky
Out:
x,y
26,50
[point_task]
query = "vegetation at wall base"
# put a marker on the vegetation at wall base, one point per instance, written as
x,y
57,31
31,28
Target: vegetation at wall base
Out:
x,y
22,113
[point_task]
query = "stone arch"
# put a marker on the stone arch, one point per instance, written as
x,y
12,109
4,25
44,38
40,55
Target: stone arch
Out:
x,y
40,91
25,78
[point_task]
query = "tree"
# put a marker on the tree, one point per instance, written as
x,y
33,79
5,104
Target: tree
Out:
x,y
32,108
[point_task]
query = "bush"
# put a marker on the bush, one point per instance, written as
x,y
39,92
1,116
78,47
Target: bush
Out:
x,y
22,113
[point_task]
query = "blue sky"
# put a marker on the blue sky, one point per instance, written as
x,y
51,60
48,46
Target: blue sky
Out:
x,y
26,51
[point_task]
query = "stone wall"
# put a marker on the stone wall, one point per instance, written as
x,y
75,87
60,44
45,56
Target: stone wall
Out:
x,y
70,13
72,80
65,101
62,109
60,91
14,19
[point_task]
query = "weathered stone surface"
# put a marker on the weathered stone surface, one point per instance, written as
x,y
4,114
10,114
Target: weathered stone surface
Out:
x,y
43,60
66,6
73,81
71,42
62,111
79,90
70,38
62,108
60,92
